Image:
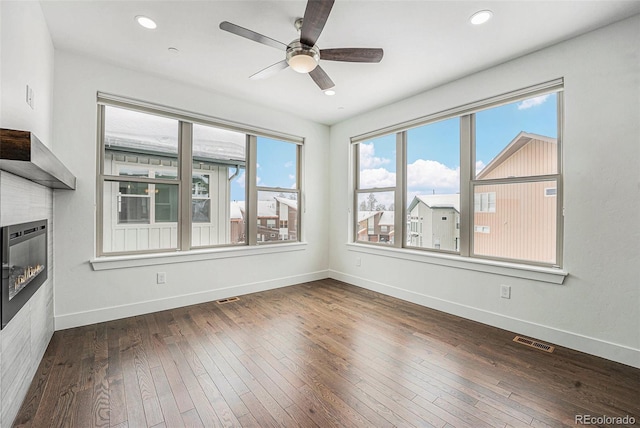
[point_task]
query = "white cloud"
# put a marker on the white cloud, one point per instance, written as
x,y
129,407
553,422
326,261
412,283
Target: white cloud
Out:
x,y
378,177
533,102
288,164
427,175
368,158
479,166
241,179
292,177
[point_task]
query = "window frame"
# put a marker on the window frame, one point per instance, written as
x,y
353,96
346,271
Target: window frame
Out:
x,y
186,120
468,181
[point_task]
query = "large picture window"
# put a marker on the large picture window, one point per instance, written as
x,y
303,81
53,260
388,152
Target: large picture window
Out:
x,y
173,182
482,180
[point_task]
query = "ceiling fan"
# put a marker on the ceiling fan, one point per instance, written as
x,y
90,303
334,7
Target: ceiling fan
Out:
x,y
302,54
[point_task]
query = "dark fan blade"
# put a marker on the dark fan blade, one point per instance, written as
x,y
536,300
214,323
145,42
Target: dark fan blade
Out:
x,y
315,16
252,35
321,78
352,54
270,71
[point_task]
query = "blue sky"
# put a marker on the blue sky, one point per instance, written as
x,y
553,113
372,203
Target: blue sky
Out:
x,y
433,152
276,167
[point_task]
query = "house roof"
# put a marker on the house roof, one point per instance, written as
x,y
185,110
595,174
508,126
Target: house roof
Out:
x,y
437,201
520,140
291,203
156,135
387,218
236,210
266,208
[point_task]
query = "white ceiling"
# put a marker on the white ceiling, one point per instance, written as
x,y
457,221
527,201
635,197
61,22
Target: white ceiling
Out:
x,y
426,43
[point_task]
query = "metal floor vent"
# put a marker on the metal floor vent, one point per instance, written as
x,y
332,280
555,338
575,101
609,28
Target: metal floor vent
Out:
x,y
534,344
229,300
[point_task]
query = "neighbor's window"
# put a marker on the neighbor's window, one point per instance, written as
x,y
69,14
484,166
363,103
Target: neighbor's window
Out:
x,y
376,190
481,183
149,202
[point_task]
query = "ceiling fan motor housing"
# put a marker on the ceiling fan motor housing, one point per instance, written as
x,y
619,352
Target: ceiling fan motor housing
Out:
x,y
302,58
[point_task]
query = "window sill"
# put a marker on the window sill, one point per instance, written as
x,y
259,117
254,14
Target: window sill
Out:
x,y
536,273
137,260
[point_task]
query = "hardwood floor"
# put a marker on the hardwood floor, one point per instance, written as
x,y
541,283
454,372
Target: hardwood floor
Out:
x,y
318,354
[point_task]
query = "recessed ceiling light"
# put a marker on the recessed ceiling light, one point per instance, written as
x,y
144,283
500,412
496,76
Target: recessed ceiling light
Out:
x,y
481,17
146,22
173,50
330,92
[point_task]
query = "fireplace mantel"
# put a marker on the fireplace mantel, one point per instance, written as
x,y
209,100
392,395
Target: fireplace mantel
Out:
x,y
23,154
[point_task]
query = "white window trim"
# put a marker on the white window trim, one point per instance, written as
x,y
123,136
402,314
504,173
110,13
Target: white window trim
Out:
x,y
466,113
186,120
213,253
515,270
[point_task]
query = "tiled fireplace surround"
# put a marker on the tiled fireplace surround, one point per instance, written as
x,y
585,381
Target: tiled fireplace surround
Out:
x,y
24,340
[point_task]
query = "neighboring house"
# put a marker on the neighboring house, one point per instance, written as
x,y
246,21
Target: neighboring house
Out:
x,y
376,226
238,229
434,222
277,220
142,216
515,221
518,220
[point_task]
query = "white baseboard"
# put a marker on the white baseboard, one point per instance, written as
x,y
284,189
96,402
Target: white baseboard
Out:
x,y
78,319
567,339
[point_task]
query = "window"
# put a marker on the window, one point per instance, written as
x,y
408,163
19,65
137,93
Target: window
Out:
x,y
479,180
433,183
278,192
375,189
170,182
484,202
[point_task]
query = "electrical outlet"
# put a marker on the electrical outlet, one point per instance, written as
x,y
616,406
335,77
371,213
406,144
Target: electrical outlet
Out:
x,y
358,261
161,278
505,291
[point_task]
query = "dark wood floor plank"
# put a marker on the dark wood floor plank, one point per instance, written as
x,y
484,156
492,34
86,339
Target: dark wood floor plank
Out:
x,y
172,373
171,415
132,396
217,376
117,403
223,411
203,407
100,395
319,354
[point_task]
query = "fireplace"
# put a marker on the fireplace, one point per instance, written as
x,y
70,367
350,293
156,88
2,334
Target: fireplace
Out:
x,y
24,265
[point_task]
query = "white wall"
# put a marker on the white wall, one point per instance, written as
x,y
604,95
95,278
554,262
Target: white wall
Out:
x,y
26,57
597,309
84,295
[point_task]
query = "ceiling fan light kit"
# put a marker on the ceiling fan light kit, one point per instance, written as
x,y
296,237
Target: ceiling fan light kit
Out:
x,y
302,55
302,58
